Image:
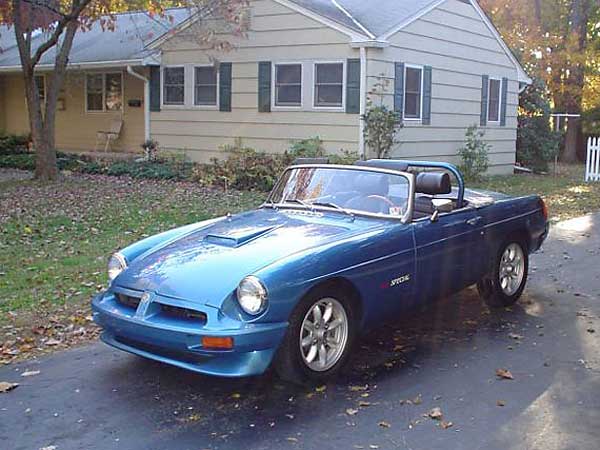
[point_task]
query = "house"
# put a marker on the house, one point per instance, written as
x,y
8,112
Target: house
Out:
x,y
304,68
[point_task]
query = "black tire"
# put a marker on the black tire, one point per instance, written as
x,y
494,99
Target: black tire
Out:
x,y
490,288
289,363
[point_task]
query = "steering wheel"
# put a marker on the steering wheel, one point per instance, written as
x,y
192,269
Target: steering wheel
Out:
x,y
385,199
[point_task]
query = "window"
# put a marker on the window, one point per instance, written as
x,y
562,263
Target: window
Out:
x,y
413,89
288,84
174,86
494,100
205,86
329,85
104,92
40,83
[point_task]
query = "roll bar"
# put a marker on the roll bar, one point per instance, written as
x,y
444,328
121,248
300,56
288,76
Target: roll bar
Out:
x,y
403,166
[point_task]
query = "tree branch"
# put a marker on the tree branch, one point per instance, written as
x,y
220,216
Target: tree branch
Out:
x,y
73,16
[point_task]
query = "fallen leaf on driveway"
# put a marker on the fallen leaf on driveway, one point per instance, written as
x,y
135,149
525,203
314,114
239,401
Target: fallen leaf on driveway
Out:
x,y
5,386
515,336
321,388
292,439
358,388
445,425
500,403
351,411
363,403
504,374
50,447
30,373
384,424
53,342
435,413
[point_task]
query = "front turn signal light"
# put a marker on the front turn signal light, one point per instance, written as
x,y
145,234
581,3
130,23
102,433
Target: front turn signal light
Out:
x,y
217,343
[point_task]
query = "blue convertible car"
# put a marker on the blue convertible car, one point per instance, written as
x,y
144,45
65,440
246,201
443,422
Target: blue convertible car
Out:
x,y
333,251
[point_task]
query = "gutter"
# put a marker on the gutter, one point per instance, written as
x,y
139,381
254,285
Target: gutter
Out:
x,y
77,66
146,81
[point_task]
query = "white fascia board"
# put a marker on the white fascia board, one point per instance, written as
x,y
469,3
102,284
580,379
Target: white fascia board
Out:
x,y
293,6
410,20
371,43
355,21
78,66
325,21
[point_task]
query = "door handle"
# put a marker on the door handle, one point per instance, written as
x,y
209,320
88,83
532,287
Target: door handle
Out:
x,y
474,221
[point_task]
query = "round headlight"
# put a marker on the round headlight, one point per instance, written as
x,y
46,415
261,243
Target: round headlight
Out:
x,y
252,295
116,265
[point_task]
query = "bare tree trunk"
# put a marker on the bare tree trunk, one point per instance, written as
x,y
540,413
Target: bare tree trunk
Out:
x,y
580,11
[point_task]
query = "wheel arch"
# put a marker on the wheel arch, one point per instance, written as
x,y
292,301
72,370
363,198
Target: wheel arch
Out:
x,y
349,288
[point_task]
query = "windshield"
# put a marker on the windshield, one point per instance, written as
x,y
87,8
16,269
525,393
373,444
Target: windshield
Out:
x,y
349,189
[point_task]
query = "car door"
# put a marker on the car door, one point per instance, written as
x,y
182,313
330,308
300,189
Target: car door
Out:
x,y
448,252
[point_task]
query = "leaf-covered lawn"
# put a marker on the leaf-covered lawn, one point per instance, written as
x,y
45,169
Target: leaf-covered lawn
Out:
x,y
567,195
55,239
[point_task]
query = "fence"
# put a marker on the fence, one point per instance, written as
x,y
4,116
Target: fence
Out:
x,y
592,165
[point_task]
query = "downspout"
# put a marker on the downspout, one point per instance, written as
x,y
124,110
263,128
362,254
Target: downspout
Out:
x,y
363,102
146,81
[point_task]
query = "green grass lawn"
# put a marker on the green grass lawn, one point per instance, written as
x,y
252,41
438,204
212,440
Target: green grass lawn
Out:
x,y
55,238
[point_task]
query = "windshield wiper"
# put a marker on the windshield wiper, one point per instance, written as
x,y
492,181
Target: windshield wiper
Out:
x,y
297,200
334,206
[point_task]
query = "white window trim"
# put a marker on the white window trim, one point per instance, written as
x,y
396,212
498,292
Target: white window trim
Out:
x,y
104,110
413,119
314,86
489,97
204,106
274,105
162,88
45,86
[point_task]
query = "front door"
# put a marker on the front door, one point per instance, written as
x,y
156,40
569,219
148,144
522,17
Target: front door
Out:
x,y
447,253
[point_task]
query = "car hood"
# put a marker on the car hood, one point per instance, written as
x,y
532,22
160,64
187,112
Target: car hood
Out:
x,y
206,265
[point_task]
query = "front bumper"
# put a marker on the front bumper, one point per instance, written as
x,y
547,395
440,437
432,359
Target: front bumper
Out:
x,y
178,342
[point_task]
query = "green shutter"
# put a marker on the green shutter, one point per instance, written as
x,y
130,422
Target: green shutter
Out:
x,y
264,86
399,89
485,81
503,102
225,87
154,88
426,95
353,86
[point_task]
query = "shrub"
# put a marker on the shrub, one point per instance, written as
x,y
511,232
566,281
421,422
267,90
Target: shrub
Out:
x,y
474,154
380,123
24,161
246,168
307,148
537,144
145,169
12,144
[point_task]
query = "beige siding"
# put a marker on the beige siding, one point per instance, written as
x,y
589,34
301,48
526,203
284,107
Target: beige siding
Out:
x,y
460,48
76,128
277,34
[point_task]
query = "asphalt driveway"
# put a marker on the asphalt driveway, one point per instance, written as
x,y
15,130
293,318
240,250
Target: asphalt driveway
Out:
x,y
446,356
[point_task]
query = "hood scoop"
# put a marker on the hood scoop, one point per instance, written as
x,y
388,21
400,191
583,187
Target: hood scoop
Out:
x,y
237,237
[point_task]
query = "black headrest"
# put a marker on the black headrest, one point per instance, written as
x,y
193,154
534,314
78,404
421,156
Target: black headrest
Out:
x,y
299,161
390,164
433,183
